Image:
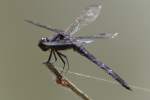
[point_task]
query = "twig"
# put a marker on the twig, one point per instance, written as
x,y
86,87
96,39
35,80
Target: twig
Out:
x,y
63,81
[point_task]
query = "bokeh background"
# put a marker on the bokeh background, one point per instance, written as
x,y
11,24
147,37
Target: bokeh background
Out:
x,y
24,77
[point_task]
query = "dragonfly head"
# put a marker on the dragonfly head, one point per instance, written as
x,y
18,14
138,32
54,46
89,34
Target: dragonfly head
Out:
x,y
42,43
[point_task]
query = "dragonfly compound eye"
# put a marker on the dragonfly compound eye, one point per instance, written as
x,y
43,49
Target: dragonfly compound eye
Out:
x,y
42,44
44,39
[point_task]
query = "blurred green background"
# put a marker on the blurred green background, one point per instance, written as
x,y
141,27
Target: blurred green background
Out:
x,y
24,77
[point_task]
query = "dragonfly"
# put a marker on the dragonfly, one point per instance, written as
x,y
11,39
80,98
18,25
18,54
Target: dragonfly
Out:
x,y
64,39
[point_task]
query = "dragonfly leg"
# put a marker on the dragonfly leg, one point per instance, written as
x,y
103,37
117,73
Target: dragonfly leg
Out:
x,y
52,53
55,57
50,56
65,57
62,57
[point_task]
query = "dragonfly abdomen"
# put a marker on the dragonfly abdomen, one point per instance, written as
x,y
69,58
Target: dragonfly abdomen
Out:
x,y
103,66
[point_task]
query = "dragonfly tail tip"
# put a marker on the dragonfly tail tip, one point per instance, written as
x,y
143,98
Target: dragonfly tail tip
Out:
x,y
127,87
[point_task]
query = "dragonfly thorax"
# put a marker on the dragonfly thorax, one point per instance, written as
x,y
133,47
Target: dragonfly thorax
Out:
x,y
57,42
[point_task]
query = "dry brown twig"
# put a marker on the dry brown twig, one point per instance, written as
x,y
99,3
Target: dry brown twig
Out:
x,y
63,81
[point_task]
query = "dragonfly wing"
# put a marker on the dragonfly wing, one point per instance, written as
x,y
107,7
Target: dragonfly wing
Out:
x,y
44,26
87,16
106,35
98,36
83,41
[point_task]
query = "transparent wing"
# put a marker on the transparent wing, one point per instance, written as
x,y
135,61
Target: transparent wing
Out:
x,y
44,26
89,39
98,36
84,41
87,16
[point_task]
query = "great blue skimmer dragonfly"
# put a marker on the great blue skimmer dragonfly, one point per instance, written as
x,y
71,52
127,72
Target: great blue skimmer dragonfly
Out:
x,y
63,40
